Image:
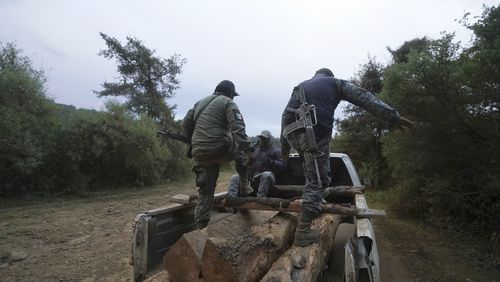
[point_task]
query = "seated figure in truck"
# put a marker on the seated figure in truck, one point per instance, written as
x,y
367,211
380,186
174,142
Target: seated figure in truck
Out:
x,y
267,164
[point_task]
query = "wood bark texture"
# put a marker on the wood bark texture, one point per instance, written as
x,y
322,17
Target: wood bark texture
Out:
x,y
183,259
249,256
302,264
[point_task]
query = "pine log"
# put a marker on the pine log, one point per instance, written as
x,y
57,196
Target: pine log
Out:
x,y
306,263
342,191
183,198
291,191
248,257
284,205
183,259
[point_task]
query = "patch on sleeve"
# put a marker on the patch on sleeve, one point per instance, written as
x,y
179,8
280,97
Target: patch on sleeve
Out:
x,y
237,115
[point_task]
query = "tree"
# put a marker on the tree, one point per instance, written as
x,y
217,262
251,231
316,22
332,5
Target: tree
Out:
x,y
146,80
26,119
400,55
447,168
360,132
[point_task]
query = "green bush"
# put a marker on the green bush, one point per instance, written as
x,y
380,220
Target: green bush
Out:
x,y
47,148
110,149
26,120
446,170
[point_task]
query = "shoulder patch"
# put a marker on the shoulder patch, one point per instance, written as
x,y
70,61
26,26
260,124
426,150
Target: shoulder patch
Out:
x,y
237,115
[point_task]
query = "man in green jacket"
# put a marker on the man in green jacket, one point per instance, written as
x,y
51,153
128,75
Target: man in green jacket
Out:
x,y
217,131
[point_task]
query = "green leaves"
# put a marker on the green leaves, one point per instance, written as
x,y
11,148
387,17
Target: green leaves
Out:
x,y
145,81
445,168
48,148
25,116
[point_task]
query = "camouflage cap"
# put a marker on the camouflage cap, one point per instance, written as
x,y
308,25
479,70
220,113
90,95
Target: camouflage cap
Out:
x,y
265,134
226,87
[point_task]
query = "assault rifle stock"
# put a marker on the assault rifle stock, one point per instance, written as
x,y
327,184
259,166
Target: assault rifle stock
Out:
x,y
175,136
178,137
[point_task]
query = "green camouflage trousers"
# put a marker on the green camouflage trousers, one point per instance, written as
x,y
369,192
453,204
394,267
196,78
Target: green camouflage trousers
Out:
x,y
207,169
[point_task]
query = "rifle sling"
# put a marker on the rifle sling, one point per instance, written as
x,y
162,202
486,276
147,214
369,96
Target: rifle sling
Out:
x,y
202,109
299,94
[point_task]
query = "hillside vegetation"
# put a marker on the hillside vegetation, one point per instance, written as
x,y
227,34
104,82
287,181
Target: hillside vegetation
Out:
x,y
447,170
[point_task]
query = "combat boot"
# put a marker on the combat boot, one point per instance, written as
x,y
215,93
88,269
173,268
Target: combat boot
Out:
x,y
304,235
245,189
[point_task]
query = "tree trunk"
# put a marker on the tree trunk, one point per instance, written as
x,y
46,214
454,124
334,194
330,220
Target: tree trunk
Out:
x,y
249,256
284,205
292,191
306,263
183,259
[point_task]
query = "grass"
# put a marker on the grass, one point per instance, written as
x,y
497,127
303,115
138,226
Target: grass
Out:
x,y
432,253
108,195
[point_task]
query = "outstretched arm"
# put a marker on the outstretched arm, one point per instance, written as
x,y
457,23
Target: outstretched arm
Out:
x,y
366,100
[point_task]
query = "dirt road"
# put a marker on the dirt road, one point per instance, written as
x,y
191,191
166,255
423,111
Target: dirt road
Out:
x,y
414,251
75,239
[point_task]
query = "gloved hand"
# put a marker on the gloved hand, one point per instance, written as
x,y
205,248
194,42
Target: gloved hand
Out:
x,y
285,148
248,159
404,124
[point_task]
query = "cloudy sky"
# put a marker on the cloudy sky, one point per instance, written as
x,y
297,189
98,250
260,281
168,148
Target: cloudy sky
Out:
x,y
264,47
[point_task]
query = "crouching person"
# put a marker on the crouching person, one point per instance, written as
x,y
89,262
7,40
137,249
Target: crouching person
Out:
x,y
266,165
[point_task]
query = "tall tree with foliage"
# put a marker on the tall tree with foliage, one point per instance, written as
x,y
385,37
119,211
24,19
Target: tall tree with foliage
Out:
x,y
146,80
360,132
26,116
447,170
400,55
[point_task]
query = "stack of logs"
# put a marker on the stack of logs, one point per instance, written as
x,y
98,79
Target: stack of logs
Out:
x,y
253,245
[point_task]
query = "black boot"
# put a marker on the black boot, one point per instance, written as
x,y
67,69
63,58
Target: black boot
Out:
x,y
304,235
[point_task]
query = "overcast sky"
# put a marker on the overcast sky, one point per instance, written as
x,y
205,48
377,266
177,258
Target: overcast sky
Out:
x,y
264,47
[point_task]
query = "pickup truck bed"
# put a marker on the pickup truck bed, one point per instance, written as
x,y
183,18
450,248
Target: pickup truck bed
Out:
x,y
158,229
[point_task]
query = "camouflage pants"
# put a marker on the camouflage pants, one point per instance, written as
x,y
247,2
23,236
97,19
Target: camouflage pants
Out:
x,y
206,180
313,190
261,181
207,173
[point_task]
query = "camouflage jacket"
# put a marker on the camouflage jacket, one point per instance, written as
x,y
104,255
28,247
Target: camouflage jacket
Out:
x,y
217,125
325,92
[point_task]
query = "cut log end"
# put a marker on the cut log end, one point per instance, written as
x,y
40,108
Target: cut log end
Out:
x,y
186,252
249,256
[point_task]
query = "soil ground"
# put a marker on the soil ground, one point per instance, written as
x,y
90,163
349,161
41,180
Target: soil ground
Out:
x,y
411,250
89,239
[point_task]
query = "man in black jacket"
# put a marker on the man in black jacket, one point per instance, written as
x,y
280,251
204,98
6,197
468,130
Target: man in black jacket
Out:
x,y
324,91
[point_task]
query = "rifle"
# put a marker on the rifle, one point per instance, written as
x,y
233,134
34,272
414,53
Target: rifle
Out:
x,y
179,137
306,118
